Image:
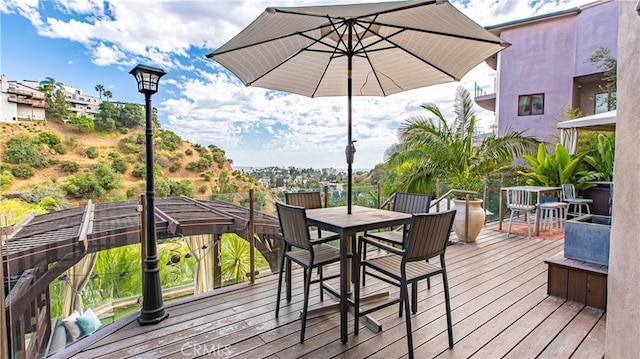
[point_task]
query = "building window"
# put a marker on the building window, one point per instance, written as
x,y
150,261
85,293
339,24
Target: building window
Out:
x,y
604,102
531,104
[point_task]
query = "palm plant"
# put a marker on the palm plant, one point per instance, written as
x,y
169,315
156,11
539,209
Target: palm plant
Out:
x,y
234,258
100,89
432,148
108,95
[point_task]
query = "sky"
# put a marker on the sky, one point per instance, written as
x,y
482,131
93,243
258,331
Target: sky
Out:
x,y
83,43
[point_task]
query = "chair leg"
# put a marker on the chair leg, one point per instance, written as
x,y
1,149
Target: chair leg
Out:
x,y
447,303
414,297
510,220
356,301
279,286
307,283
321,278
405,298
288,277
364,268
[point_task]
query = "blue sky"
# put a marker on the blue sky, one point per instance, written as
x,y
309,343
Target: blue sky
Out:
x,y
82,43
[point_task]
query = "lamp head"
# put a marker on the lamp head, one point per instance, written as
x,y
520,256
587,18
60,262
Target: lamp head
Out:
x,y
147,78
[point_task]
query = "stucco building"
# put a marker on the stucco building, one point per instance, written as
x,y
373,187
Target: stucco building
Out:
x,y
546,68
21,100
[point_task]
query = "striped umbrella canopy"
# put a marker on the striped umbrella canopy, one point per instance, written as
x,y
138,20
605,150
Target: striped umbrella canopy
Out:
x,y
373,49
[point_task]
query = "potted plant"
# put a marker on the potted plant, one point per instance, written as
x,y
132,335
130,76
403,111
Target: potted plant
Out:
x,y
433,148
470,214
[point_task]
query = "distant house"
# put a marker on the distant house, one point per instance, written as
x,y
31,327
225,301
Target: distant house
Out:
x,y
264,181
21,100
545,70
81,104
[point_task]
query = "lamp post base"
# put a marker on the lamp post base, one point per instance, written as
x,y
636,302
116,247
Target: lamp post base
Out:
x,y
148,317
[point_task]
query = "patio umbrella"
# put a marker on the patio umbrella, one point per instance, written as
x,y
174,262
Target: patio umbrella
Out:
x,y
375,49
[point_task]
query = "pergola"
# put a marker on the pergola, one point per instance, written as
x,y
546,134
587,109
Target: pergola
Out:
x,y
605,121
41,248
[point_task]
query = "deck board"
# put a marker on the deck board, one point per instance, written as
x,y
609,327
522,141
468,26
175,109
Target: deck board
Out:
x,y
499,308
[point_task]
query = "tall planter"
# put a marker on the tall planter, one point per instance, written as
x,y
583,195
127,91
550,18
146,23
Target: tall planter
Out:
x,y
476,219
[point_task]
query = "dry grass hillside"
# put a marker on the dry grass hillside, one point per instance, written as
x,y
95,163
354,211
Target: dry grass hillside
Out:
x,y
204,181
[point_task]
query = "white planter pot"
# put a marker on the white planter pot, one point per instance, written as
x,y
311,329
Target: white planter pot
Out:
x,y
476,219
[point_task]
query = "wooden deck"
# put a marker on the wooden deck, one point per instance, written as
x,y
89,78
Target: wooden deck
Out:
x,y
498,295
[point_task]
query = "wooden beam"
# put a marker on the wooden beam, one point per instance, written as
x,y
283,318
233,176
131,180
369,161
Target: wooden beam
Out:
x,y
86,226
21,300
4,328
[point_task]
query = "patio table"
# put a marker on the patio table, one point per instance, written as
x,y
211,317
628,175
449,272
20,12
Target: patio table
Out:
x,y
538,190
361,219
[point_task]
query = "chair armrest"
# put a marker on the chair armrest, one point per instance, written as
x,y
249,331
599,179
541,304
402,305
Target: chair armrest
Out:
x,y
375,243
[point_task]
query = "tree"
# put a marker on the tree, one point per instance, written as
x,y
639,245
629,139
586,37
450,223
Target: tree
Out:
x,y
106,119
432,148
603,60
83,124
108,95
49,85
100,90
59,106
132,115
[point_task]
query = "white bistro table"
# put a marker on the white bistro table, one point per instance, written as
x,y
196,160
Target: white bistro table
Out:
x,y
538,190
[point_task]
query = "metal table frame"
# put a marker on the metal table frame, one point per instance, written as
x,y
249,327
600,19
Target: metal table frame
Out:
x,y
361,219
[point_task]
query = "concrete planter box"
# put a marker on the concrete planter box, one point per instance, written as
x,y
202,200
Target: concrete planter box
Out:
x,y
586,238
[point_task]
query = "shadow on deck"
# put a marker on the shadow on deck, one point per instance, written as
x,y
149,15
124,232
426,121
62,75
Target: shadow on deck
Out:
x,y
498,295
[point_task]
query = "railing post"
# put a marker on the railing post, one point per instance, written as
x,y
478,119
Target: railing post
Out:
x,y
252,239
466,218
484,198
4,340
143,237
438,194
325,190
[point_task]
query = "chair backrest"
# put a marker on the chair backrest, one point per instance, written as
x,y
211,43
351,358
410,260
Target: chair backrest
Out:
x,y
293,224
308,200
428,235
568,191
518,198
411,203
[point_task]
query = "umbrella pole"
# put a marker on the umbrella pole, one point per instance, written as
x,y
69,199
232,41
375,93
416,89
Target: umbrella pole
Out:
x,y
350,149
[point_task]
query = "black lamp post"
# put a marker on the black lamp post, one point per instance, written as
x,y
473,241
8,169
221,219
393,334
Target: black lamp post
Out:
x,y
152,307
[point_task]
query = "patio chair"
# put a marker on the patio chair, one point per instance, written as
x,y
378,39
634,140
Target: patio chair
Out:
x,y
311,200
519,201
569,196
427,238
406,203
295,232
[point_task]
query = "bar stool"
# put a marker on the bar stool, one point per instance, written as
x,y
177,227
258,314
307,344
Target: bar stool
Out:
x,y
553,214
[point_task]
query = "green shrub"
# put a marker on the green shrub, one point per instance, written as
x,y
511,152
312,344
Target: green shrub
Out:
x,y
206,176
139,172
188,152
71,142
107,178
119,165
24,149
23,171
128,145
49,139
202,189
42,191
5,167
49,203
59,149
83,186
199,165
168,140
70,166
6,180
140,139
91,152
174,167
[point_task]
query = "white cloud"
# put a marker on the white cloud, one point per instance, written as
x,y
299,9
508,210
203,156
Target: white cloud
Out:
x,y
254,126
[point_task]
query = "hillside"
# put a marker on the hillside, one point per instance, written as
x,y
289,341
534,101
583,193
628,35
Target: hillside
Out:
x,y
217,177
